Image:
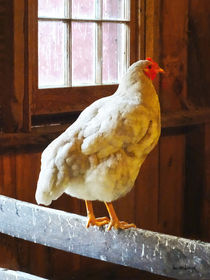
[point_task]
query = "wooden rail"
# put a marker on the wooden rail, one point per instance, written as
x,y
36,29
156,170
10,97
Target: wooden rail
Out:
x,y
145,250
6,274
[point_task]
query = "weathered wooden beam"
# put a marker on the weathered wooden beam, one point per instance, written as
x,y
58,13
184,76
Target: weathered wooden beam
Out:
x,y
6,274
158,253
185,118
37,138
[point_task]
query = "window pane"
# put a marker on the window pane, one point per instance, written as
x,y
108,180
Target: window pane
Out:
x,y
51,8
113,9
51,53
113,51
83,9
83,53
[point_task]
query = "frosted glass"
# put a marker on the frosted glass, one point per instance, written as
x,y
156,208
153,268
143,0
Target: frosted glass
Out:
x,y
113,9
51,53
83,53
112,51
51,8
83,8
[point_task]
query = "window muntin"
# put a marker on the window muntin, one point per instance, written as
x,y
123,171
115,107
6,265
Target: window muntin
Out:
x,y
82,42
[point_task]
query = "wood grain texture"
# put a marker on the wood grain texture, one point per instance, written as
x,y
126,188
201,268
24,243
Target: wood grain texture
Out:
x,y
15,108
142,28
174,43
9,253
152,29
147,192
7,58
8,175
198,58
195,176
134,31
51,101
205,216
171,188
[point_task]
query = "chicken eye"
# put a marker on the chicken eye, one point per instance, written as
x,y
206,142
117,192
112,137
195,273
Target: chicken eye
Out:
x,y
150,66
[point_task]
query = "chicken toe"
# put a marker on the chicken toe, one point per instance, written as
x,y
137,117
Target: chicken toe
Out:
x,y
120,224
114,221
91,217
97,221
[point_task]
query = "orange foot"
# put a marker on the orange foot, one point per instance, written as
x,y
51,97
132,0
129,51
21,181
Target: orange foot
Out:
x,y
91,217
97,221
114,221
120,224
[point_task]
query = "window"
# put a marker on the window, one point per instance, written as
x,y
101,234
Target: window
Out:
x,y
80,51
27,95
82,42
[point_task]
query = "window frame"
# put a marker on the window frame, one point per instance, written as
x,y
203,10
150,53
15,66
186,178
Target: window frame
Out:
x,y
46,101
97,21
20,101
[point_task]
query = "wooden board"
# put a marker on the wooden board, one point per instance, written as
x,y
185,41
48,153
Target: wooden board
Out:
x,y
205,215
15,109
171,188
198,48
146,192
194,186
173,49
17,275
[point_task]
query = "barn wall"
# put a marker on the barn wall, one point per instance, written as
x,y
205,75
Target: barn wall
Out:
x,y
172,191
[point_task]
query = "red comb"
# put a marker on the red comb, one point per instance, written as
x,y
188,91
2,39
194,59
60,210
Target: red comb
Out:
x,y
149,58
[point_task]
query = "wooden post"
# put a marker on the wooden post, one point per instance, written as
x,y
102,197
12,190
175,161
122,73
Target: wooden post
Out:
x,y
13,62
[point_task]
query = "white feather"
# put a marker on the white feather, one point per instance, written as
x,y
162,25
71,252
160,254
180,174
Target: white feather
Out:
x,y
99,156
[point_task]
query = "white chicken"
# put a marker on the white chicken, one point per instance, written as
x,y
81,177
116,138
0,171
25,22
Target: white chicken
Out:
x,y
99,156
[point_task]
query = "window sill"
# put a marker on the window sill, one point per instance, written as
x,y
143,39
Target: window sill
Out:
x,y
40,136
74,99
37,139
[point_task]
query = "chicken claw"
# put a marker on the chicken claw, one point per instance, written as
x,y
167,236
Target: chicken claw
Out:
x,y
97,221
91,217
120,225
114,221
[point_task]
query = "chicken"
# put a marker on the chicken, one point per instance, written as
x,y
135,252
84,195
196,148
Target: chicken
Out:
x,y
99,156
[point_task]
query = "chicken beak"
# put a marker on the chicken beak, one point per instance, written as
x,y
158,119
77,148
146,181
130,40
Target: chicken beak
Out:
x,y
160,70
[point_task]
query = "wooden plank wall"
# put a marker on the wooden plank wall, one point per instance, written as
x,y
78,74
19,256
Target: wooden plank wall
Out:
x,y
18,177
172,192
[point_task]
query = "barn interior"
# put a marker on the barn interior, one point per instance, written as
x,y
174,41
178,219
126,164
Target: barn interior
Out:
x,y
172,191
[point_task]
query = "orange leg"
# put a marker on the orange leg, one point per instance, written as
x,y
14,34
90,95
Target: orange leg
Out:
x,y
92,220
114,221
